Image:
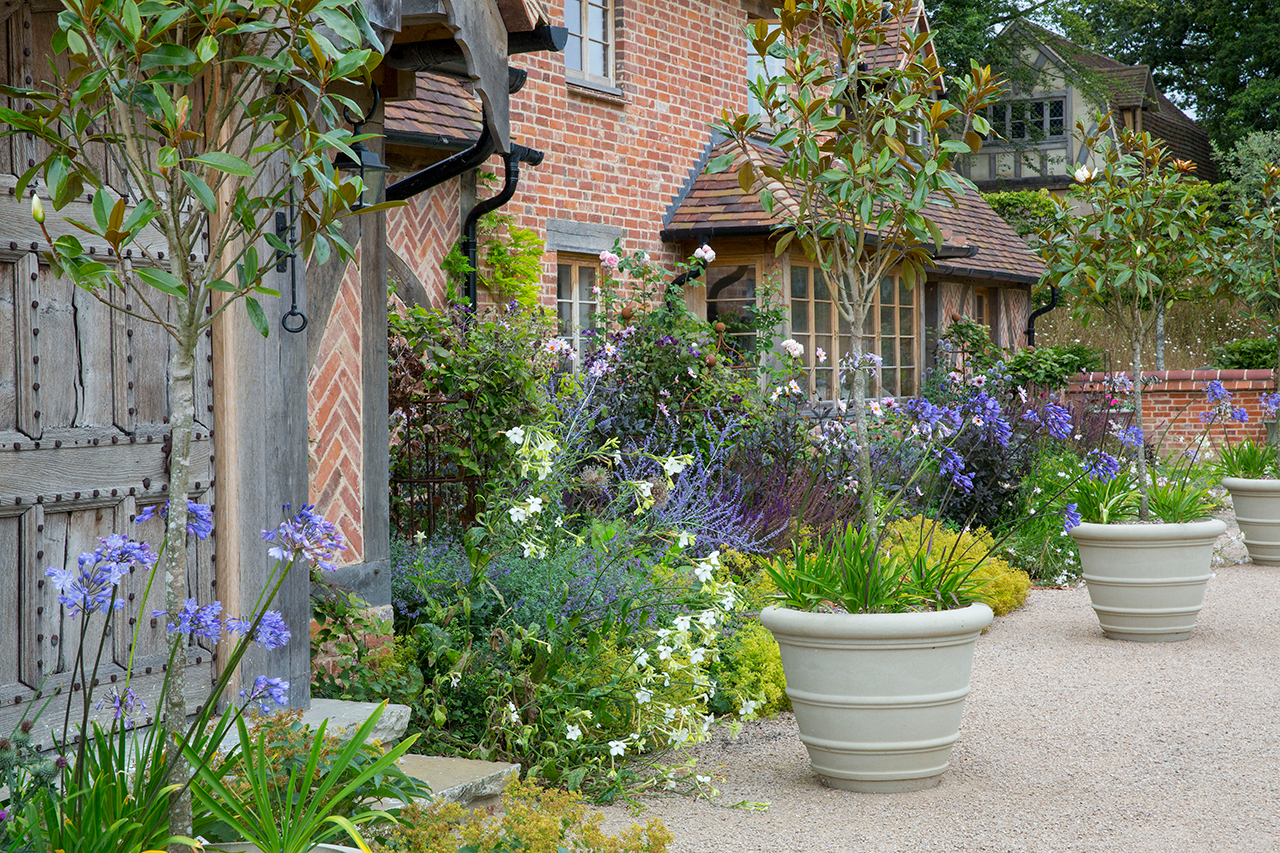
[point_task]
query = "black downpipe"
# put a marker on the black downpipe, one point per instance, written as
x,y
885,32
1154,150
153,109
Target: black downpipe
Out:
x,y
451,167
470,244
674,299
1031,321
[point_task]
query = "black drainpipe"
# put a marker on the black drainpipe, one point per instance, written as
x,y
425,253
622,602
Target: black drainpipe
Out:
x,y
451,167
1031,321
675,290
511,162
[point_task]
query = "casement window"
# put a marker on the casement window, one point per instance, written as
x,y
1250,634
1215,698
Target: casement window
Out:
x,y
589,53
889,331
1029,121
577,298
731,299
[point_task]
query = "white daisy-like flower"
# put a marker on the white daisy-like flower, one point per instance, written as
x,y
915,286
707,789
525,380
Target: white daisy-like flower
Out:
x,y
617,747
572,732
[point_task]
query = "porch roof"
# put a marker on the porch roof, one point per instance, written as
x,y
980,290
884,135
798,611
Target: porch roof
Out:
x,y
715,206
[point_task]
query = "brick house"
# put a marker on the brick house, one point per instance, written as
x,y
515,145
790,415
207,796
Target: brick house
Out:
x,y
622,116
1037,149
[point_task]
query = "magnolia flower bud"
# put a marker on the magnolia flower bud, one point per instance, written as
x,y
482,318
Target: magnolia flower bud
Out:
x,y
37,209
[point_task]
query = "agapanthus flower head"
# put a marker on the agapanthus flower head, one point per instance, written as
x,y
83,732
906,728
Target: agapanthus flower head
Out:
x,y
272,631
199,517
1071,517
1215,392
1131,437
306,535
1239,415
124,704
1100,465
193,619
89,587
268,691
1270,404
984,411
951,464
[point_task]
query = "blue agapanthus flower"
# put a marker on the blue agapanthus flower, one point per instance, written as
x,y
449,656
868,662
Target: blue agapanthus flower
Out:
x,y
1131,437
1071,517
268,691
90,586
199,621
1101,466
199,517
306,535
272,631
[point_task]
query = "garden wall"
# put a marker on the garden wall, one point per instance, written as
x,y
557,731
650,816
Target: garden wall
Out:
x,y
1174,399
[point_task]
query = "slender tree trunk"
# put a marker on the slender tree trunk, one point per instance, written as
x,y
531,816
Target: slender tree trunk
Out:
x,y
1160,336
866,483
182,415
1143,509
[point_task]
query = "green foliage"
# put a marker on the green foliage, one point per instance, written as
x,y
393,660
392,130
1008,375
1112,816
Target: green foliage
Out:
x,y
1245,162
458,382
752,665
1039,543
250,793
850,573
1247,459
533,820
1050,367
1027,211
342,626
1004,588
1180,499
510,263
1245,354
1252,267
1105,501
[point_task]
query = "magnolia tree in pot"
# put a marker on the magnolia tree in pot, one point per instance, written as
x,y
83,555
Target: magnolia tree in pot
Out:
x,y
1129,239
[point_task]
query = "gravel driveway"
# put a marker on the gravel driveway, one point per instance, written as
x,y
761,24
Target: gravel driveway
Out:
x,y
1070,742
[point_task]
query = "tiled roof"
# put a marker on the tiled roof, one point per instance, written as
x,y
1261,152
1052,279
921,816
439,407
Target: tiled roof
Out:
x,y
715,205
1185,139
445,114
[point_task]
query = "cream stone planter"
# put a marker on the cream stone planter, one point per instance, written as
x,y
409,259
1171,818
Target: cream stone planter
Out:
x,y
878,696
1146,581
1257,507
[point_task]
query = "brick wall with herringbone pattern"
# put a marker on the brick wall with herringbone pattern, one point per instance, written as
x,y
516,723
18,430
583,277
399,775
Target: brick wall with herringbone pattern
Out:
x,y
423,231
334,405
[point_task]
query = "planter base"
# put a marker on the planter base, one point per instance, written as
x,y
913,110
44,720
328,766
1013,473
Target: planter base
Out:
x,y
1257,509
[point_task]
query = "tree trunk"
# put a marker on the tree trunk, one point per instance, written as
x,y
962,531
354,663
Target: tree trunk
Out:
x,y
1160,336
1144,512
182,415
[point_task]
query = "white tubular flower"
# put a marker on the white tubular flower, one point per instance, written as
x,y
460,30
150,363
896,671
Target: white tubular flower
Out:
x,y
683,622
673,465
697,655
617,747
703,571
685,539
642,659
515,435
644,488
513,714
643,696
707,619
535,506
518,514
572,732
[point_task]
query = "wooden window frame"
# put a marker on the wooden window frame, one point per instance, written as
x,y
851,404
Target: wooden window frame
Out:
x,y
583,36
570,329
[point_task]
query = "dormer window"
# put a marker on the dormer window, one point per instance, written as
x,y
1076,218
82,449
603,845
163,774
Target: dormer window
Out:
x,y
1029,121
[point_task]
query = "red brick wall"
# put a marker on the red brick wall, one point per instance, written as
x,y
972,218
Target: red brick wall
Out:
x,y
333,407
423,231
1176,399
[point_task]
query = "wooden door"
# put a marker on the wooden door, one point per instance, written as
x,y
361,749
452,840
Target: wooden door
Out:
x,y
84,408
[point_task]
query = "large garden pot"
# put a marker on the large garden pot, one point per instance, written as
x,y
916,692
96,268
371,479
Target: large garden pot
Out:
x,y
1146,581
878,696
1257,506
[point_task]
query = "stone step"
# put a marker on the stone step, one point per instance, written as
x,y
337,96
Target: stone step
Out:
x,y
473,784
345,717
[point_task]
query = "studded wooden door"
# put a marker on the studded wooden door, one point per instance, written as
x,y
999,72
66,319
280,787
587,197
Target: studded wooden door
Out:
x,y
84,409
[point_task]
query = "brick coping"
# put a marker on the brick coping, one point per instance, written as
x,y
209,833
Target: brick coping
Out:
x,y
1205,375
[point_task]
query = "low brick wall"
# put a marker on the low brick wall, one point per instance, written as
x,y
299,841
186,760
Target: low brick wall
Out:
x,y
1174,399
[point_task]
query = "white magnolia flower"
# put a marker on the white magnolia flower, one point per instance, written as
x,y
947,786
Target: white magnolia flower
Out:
x,y
573,732
793,348
617,747
643,696
1084,174
673,465
515,435
683,622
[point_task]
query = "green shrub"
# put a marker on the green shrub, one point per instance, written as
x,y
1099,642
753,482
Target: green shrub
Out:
x,y
751,664
1245,354
1039,543
1027,211
1052,366
534,820
1006,588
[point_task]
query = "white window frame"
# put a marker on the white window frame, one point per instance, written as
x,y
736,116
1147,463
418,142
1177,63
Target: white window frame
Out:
x,y
1002,118
574,314
580,37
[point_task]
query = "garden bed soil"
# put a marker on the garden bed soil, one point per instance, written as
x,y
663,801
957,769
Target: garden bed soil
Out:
x,y
1070,742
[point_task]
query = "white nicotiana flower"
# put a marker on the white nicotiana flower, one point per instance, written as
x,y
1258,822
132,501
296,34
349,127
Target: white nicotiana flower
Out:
x,y
644,488
515,435
703,780
643,696
572,732
793,348
685,539
714,558
617,747
535,506
513,714
518,514
697,655
673,465
683,622
703,571
748,708
664,652
642,659
728,602
707,619
454,678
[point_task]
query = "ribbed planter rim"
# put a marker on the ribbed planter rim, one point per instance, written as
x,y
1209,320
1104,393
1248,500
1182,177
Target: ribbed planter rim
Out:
x,y
868,626
1258,485
1161,531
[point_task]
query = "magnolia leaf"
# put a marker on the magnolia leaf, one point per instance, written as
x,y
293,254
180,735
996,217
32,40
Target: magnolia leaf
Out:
x,y
222,286
224,162
161,280
102,209
200,190
746,177
257,316
974,141
168,54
